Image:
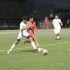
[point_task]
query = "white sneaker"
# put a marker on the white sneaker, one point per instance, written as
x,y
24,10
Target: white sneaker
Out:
x,y
8,52
40,49
58,37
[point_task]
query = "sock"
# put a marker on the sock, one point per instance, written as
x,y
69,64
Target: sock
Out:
x,y
33,45
58,37
40,49
11,48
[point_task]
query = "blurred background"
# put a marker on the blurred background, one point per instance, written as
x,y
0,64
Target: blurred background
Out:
x,y
11,12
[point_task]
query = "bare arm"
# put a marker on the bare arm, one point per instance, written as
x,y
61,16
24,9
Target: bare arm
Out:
x,y
61,23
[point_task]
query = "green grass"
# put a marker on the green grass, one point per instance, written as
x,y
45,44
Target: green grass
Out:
x,y
23,58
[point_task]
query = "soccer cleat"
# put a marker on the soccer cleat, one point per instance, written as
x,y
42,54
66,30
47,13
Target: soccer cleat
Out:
x,y
8,52
58,38
40,49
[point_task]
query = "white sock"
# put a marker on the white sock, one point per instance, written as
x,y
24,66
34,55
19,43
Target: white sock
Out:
x,y
58,37
11,49
40,49
33,45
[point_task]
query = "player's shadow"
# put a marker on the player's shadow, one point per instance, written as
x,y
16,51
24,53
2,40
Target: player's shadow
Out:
x,y
26,51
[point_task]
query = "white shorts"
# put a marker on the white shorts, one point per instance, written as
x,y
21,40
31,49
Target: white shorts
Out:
x,y
56,31
23,34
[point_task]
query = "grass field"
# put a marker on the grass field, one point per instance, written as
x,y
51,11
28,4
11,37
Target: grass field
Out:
x,y
23,58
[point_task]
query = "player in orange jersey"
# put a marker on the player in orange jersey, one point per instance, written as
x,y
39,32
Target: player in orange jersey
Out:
x,y
31,27
46,22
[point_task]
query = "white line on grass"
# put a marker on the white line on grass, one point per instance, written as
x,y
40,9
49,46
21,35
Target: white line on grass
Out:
x,y
41,45
56,44
7,33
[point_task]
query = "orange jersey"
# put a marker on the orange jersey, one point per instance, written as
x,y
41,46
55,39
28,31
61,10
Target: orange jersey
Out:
x,y
34,25
31,25
46,22
31,28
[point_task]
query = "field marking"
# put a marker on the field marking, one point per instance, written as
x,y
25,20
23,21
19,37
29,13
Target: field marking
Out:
x,y
1,50
56,44
8,32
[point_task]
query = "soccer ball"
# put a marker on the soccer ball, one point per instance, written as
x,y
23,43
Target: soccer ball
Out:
x,y
45,51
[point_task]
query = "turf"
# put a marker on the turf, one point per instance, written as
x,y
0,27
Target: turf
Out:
x,y
24,58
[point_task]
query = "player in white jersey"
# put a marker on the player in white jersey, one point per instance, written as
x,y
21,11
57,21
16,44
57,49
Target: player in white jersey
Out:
x,y
22,32
57,23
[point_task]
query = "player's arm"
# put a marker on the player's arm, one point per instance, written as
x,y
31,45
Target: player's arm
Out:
x,y
61,23
53,23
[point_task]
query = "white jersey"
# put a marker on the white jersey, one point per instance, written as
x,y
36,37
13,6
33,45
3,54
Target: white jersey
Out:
x,y
56,23
24,32
23,25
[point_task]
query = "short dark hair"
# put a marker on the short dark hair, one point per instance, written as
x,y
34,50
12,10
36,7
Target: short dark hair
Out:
x,y
31,16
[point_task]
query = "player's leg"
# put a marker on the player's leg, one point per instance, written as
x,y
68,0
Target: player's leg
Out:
x,y
57,33
58,36
36,41
32,43
37,44
26,34
33,40
13,46
32,34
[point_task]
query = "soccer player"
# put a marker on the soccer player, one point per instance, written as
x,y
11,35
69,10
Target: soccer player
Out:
x,y
22,32
46,22
57,23
32,25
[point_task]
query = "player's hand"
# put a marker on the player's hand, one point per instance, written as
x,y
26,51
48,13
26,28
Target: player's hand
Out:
x,y
61,24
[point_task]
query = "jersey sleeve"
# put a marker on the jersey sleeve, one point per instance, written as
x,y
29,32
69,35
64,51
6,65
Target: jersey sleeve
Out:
x,y
22,25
